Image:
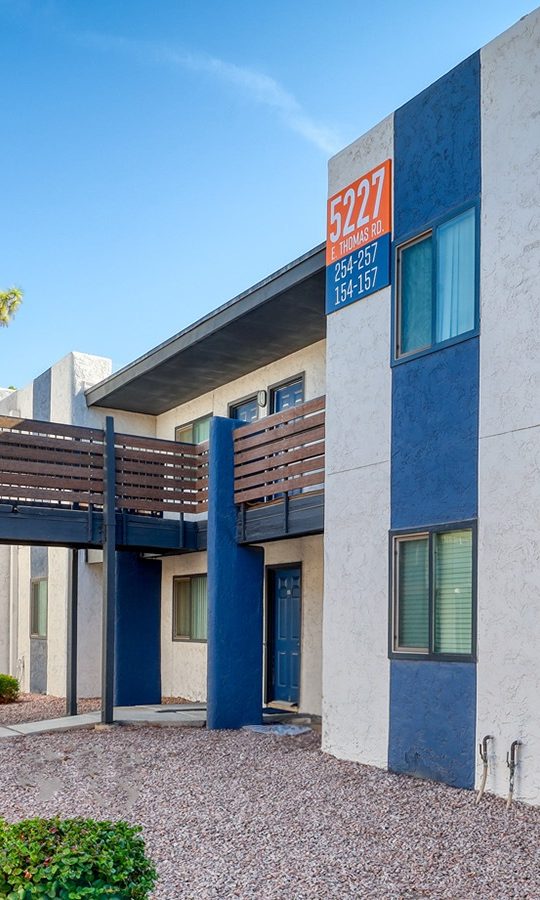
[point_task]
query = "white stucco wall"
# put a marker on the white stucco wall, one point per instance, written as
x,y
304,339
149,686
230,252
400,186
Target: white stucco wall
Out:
x,y
89,630
71,377
56,624
310,361
509,462
18,403
357,502
5,578
183,663
22,661
14,595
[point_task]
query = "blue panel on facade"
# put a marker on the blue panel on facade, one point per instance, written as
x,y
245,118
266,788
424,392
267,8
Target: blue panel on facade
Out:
x,y
433,720
437,149
138,630
435,403
358,275
435,437
235,598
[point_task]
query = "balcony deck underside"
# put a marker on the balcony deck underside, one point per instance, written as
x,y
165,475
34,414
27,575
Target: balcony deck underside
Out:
x,y
54,526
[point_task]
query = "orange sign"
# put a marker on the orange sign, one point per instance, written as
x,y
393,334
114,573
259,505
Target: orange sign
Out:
x,y
360,213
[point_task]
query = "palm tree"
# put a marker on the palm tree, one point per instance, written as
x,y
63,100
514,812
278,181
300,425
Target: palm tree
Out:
x,y
10,301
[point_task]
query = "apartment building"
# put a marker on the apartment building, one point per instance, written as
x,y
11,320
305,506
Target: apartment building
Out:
x,y
260,355
432,534
371,410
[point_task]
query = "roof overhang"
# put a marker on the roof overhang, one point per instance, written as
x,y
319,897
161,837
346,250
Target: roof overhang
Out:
x,y
276,317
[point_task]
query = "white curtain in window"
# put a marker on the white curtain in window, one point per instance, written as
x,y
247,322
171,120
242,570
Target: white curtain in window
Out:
x,y
453,592
199,608
455,276
201,430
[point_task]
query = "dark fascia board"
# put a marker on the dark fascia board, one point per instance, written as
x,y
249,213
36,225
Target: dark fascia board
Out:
x,y
118,390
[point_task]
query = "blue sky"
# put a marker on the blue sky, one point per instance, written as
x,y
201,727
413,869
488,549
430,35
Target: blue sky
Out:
x,y
160,156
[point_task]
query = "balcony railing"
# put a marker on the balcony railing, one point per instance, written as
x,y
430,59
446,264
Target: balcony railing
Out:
x,y
280,455
63,465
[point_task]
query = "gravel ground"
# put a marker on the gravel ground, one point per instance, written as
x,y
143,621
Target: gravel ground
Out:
x,y
37,707
237,814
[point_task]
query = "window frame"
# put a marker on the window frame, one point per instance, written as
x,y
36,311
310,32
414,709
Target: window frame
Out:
x,y
34,634
190,424
395,537
273,388
175,637
408,240
236,403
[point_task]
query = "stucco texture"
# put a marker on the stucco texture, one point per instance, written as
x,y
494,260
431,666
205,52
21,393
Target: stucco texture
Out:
x,y
432,720
435,437
357,503
509,460
437,149
183,663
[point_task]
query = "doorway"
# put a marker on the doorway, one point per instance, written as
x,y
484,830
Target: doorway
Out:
x,y
284,608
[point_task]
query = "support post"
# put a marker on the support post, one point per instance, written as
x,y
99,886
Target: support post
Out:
x,y
235,598
72,617
109,575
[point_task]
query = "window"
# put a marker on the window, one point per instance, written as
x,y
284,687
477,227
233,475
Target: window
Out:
x,y
436,285
247,411
433,593
284,396
190,608
195,432
38,608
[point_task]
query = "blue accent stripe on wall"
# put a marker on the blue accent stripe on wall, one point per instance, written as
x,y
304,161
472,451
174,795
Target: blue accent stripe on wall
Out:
x,y
435,401
432,720
437,149
435,437
137,630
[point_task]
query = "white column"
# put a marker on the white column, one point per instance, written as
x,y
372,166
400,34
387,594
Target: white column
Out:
x,y
509,456
357,501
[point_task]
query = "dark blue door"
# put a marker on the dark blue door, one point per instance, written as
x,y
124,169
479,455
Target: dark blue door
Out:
x,y
284,643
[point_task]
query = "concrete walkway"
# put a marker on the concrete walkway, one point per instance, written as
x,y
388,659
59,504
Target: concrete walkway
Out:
x,y
193,714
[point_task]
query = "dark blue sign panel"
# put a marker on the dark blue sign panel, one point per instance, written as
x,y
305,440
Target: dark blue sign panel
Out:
x,y
359,274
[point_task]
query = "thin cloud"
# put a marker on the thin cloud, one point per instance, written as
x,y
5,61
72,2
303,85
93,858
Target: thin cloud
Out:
x,y
260,88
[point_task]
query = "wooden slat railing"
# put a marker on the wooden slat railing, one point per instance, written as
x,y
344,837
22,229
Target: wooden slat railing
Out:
x,y
280,454
160,476
56,464
46,462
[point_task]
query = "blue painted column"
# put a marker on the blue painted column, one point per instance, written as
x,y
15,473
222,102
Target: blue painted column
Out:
x,y
235,598
137,676
435,403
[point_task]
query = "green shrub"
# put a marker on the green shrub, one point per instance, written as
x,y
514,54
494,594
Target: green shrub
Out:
x,y
72,859
9,689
